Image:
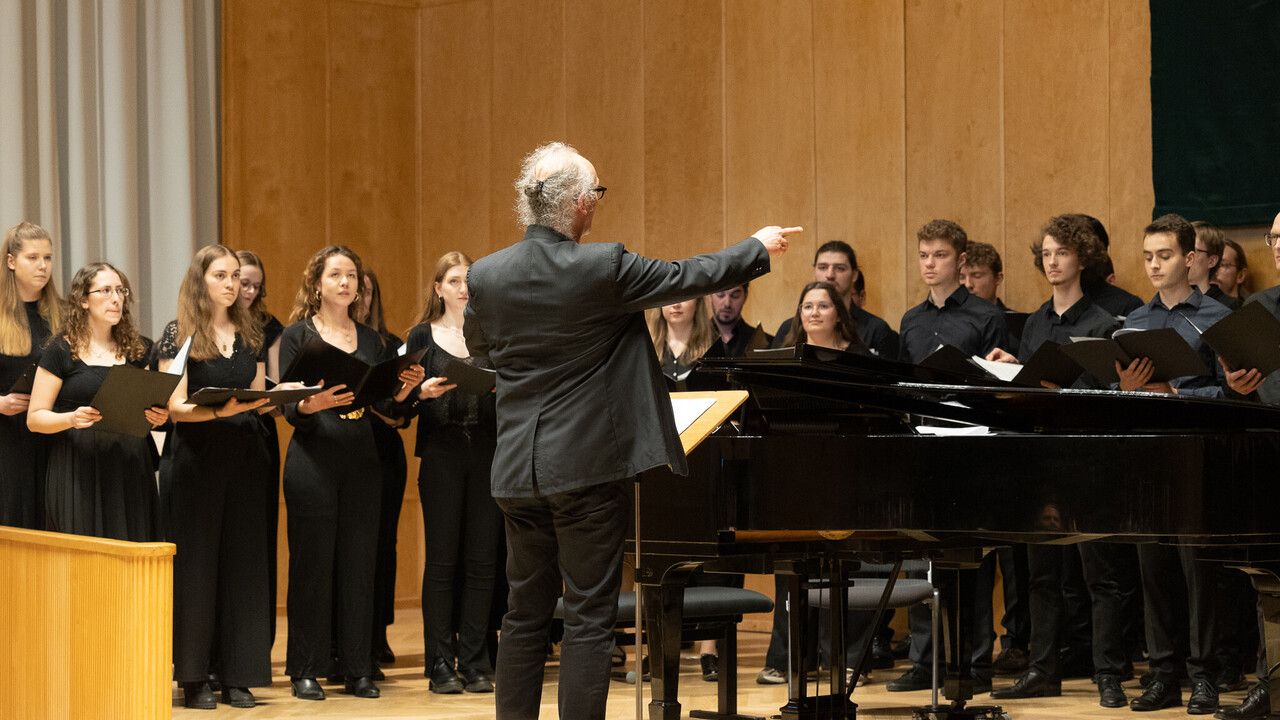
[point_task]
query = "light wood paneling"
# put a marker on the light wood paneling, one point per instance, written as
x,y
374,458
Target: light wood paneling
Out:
x,y
769,139
859,132
1055,128
684,159
954,144
604,119
373,135
73,608
1131,194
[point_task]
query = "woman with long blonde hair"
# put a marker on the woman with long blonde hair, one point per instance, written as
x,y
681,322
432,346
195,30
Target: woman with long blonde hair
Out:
x,y
332,487
682,333
456,435
217,473
97,483
30,312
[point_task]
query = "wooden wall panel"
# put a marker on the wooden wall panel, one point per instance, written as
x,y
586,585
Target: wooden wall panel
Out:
x,y
769,139
1055,128
1132,194
859,132
528,105
683,128
373,136
954,144
604,116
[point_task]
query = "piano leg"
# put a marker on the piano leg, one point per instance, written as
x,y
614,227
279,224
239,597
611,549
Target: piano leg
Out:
x,y
835,706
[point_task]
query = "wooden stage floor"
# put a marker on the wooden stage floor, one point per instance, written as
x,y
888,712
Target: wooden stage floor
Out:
x,y
405,693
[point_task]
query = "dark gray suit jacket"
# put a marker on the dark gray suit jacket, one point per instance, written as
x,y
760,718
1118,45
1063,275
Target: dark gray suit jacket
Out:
x,y
581,399
1269,391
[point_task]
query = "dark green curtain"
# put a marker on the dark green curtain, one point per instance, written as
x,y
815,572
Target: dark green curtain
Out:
x,y
1215,109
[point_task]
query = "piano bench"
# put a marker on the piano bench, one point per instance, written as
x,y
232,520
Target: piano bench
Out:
x,y
710,613
864,593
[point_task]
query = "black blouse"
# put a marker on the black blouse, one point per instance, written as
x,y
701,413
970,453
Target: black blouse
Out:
x,y
80,381
237,371
13,366
455,407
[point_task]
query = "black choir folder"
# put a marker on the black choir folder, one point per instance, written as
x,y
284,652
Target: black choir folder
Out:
x,y
318,360
469,378
126,393
1247,338
1171,355
1047,363
217,397
26,381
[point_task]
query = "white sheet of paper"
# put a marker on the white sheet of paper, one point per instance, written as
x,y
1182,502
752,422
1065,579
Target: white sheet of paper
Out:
x,y
179,364
1003,370
688,410
968,430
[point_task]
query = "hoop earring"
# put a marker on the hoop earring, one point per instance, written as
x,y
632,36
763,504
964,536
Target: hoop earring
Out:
x,y
357,297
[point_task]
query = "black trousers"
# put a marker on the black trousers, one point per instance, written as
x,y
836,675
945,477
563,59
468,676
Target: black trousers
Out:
x,y
1180,612
1015,583
575,538
463,525
920,620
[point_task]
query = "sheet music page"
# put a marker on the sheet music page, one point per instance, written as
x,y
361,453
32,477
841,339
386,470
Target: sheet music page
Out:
x,y
687,410
1003,370
179,364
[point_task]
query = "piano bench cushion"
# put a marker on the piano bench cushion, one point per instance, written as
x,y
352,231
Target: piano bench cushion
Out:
x,y
700,603
864,594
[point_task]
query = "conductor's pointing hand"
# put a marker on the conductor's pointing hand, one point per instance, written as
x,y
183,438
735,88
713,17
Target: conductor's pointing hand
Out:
x,y
775,238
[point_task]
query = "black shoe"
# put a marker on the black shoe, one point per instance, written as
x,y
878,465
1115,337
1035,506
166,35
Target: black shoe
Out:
x,y
917,678
1033,684
306,689
362,687
1110,692
238,697
881,655
1013,661
1204,698
476,681
444,681
198,696
710,669
1256,705
1232,680
214,683
1158,696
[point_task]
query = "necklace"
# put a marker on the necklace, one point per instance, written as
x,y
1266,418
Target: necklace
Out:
x,y
223,341
100,353
332,328
451,329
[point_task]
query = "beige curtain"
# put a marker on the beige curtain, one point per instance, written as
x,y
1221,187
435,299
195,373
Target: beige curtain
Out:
x,y
109,135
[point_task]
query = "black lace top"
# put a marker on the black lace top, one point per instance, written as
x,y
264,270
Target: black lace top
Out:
x,y
236,371
455,407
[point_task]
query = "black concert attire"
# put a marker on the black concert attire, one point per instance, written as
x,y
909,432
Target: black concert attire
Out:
x,y
582,409
1177,590
874,332
975,327
332,493
1232,302
97,483
22,453
395,470
1110,570
219,476
739,343
965,321
456,434
271,331
1113,299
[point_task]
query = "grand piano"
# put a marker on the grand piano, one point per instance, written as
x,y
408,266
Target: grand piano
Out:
x,y
824,468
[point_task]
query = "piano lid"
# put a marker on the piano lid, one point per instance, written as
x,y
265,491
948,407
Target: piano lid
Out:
x,y
836,383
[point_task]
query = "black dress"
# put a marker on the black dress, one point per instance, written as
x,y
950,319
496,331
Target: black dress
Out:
x,y
22,452
395,470
271,331
98,483
332,493
462,523
219,473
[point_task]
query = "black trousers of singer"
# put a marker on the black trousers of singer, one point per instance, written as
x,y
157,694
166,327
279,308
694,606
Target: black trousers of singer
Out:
x,y
1180,613
463,526
394,472
575,538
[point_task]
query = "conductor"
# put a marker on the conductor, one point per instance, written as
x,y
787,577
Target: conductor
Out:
x,y
582,409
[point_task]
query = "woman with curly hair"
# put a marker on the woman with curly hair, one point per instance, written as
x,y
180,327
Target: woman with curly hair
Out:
x,y
217,507
97,483
332,486
30,312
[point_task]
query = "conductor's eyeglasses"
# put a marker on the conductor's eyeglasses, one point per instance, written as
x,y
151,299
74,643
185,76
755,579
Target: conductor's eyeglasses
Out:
x,y
1271,238
597,192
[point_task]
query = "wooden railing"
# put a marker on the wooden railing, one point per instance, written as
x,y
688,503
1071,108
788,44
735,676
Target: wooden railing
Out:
x,y
86,627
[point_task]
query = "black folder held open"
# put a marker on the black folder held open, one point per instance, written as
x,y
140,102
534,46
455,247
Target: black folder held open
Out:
x,y
1171,355
318,360
1246,339
126,393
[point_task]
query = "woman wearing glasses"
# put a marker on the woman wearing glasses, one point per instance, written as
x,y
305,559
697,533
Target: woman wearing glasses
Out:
x,y
97,483
822,319
217,505
30,311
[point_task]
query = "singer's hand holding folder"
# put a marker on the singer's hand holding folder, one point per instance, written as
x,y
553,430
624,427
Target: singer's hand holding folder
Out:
x,y
1167,350
469,378
125,395
1246,339
318,360
217,397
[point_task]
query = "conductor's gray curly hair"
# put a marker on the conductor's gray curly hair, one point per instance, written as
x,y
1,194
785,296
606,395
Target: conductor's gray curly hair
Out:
x,y
551,180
